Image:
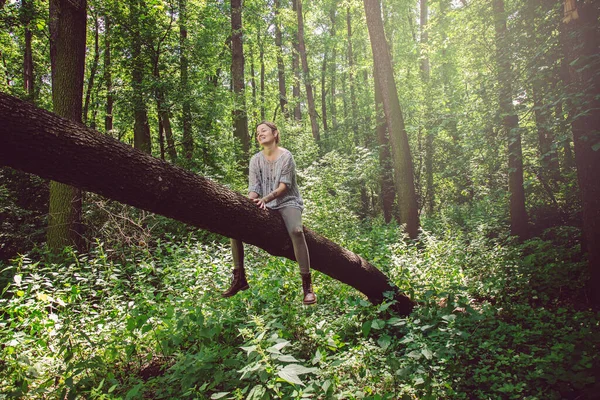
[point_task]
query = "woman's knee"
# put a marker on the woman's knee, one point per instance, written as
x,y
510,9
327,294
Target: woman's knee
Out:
x,y
297,232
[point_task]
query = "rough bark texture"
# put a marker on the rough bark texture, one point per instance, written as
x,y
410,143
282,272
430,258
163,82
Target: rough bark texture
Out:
x,y
240,118
310,98
510,123
581,20
403,167
67,55
42,143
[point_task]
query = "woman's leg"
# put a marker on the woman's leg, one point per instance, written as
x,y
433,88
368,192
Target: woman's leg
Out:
x,y
237,250
238,281
293,222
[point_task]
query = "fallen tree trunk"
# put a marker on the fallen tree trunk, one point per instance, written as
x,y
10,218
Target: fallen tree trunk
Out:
x,y
44,144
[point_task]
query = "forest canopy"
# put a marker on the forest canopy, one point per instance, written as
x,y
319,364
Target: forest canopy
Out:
x,y
450,146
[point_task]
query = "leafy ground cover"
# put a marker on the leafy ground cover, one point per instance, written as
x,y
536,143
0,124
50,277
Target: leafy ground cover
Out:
x,y
496,319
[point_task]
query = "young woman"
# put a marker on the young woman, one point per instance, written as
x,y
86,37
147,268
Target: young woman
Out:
x,y
273,185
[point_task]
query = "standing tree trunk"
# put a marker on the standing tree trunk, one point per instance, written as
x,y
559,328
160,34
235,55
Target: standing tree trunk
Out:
x,y
141,130
108,118
351,78
112,169
240,118
333,70
581,20
386,178
261,59
510,122
67,58
310,98
27,11
296,69
163,113
186,117
280,64
425,76
324,90
403,167
93,70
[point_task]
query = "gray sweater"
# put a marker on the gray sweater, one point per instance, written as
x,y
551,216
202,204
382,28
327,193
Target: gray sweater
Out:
x,y
266,175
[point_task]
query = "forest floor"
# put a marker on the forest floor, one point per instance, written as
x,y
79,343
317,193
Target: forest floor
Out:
x,y
496,320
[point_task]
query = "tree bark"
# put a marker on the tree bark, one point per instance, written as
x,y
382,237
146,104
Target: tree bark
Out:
x,y
42,143
186,117
385,160
333,71
310,98
351,78
27,11
141,130
296,70
240,118
280,64
510,122
93,70
108,118
425,77
67,56
581,20
403,167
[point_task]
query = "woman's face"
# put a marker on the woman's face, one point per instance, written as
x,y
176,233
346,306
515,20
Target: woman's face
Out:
x,y
265,135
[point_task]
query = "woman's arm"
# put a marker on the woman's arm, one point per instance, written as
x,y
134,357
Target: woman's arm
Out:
x,y
280,191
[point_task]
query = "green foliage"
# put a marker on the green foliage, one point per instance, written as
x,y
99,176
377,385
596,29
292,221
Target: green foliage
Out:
x,y
494,319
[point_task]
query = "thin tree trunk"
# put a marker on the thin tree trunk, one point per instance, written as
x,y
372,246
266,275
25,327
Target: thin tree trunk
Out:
x,y
310,99
164,116
112,169
351,78
240,118
67,56
93,70
581,20
141,130
333,71
186,110
324,90
108,118
403,167
296,69
425,76
280,64
386,178
510,122
27,12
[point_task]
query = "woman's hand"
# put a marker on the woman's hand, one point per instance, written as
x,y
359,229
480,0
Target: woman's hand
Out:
x,y
260,203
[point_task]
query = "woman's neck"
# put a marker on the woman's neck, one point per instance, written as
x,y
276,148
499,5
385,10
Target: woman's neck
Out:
x,y
270,149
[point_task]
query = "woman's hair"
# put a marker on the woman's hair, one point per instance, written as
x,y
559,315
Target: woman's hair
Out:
x,y
273,128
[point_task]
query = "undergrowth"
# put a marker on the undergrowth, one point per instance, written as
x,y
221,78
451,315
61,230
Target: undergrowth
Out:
x,y
495,319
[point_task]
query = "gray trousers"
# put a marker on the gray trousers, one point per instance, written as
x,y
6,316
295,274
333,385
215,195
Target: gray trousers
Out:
x,y
292,217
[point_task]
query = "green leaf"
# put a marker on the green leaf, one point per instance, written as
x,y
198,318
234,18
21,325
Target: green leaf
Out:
x,y
596,147
248,349
18,279
219,395
366,328
287,358
416,354
427,353
277,347
384,341
378,324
